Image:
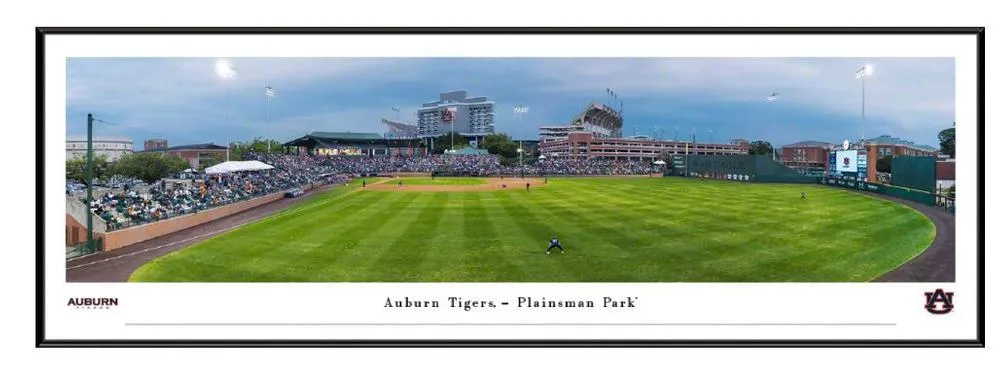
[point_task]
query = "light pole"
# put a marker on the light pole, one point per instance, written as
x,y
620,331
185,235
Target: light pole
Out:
x,y
863,73
226,70
268,94
520,110
451,116
90,182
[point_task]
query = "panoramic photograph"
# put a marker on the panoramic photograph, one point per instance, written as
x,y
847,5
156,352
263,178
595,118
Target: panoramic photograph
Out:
x,y
518,170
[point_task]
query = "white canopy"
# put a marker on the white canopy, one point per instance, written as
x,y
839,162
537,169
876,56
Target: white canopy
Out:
x,y
237,166
659,162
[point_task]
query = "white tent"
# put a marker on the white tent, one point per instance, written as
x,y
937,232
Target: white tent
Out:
x,y
659,162
237,166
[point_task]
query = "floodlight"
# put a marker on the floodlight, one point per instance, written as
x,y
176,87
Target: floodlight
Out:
x,y
225,69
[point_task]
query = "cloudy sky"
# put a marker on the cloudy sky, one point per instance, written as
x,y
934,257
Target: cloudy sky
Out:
x,y
183,100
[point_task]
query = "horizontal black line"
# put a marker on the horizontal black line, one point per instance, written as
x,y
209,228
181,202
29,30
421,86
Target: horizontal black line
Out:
x,y
513,324
512,30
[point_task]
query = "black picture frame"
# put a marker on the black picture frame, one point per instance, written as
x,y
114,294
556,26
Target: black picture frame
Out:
x,y
42,32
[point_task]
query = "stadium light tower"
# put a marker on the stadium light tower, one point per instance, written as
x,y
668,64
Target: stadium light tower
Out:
x,y
862,73
520,110
452,111
226,70
771,98
268,94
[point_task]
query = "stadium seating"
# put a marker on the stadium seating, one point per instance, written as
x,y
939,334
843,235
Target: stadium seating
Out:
x,y
127,206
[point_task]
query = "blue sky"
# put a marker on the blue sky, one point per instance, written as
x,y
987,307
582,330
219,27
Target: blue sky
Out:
x,y
183,100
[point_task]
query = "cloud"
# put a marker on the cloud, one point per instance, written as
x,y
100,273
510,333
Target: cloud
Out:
x,y
913,93
183,99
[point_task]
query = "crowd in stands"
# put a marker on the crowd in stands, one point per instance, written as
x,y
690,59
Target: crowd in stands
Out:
x,y
128,206
594,166
482,165
187,193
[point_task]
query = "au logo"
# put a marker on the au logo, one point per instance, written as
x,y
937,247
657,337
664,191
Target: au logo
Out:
x,y
939,297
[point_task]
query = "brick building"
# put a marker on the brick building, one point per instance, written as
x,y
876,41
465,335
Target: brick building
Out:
x,y
812,157
585,145
887,145
807,157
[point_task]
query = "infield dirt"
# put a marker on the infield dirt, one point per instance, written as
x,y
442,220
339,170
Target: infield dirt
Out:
x,y
491,184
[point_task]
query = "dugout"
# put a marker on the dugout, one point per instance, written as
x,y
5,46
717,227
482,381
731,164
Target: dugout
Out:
x,y
758,168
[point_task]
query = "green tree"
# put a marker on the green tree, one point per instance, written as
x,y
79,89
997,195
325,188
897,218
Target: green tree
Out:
x,y
502,145
148,166
947,139
76,168
238,150
884,164
216,159
665,156
443,142
761,147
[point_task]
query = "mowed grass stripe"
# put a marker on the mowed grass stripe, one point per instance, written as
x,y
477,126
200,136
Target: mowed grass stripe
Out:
x,y
683,243
223,256
282,254
411,241
624,212
486,254
303,255
603,243
615,229
350,248
524,249
532,234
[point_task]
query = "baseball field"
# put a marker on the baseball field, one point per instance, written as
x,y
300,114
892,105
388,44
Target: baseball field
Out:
x,y
614,230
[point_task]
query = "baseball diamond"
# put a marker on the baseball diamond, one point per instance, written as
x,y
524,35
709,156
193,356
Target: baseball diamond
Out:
x,y
613,230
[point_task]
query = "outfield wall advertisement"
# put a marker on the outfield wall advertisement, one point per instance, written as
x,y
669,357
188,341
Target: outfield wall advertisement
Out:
x,y
894,191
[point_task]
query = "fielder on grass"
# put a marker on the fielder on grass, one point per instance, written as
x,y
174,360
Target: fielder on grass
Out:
x,y
554,243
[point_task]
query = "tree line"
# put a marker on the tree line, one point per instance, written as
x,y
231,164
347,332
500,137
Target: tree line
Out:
x,y
152,166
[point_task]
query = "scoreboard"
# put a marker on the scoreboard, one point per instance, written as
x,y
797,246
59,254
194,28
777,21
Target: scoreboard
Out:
x,y
851,164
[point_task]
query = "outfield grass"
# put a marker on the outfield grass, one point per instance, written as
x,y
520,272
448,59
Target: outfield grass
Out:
x,y
443,181
615,230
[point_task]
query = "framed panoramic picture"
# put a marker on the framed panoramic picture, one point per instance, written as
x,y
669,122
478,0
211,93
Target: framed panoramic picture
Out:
x,y
510,187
